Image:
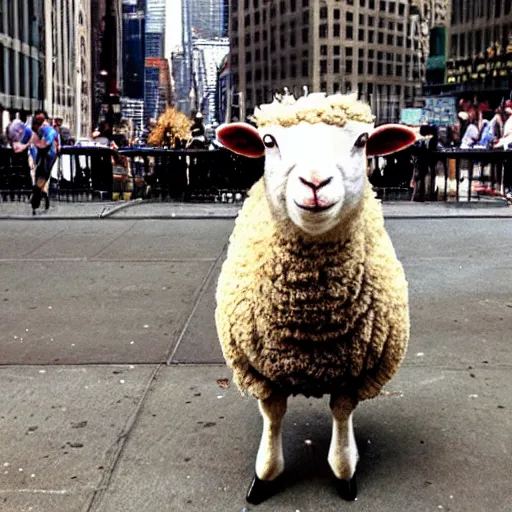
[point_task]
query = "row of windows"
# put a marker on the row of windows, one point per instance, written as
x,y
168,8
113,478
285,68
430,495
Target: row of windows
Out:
x,y
25,19
363,35
464,11
27,70
476,41
364,89
369,67
284,6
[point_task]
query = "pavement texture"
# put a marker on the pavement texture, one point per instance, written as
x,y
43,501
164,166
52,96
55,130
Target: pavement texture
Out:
x,y
112,377
139,209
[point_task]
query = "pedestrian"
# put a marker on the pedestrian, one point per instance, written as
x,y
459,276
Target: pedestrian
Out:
x,y
45,141
472,133
19,135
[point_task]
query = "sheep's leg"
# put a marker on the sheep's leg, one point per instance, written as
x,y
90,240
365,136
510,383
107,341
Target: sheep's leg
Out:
x,y
270,459
343,453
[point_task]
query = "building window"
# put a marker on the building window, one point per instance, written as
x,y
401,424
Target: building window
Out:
x,y
248,57
392,7
305,35
336,66
371,36
389,69
322,31
305,68
336,49
349,51
360,34
323,13
370,67
349,33
348,66
360,67
380,38
336,14
323,67
401,9
399,71
305,3
382,6
349,16
390,40
379,68
323,49
336,30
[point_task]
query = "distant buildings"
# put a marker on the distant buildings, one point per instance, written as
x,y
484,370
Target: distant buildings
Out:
x,y
362,46
196,64
156,79
133,48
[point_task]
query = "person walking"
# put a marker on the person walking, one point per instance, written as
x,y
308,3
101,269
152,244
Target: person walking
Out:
x,y
45,141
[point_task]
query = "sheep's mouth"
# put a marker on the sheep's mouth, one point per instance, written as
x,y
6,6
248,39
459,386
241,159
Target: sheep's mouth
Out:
x,y
315,209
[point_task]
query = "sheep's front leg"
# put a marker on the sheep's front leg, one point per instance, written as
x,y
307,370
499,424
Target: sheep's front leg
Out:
x,y
270,459
343,453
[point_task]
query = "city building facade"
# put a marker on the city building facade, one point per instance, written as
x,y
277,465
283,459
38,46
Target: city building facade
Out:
x,y
195,64
154,57
68,64
21,59
361,46
133,48
478,51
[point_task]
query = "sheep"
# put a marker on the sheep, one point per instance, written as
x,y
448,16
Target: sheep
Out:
x,y
312,299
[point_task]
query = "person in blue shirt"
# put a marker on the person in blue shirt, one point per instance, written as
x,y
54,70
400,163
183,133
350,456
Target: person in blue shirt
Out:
x,y
45,140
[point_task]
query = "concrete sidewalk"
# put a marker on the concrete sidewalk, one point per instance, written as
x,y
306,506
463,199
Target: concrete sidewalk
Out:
x,y
138,209
111,375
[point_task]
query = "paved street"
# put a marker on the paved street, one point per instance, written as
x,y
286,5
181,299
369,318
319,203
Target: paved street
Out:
x,y
109,368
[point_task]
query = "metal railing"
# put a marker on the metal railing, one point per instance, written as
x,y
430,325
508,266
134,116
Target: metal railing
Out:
x,y
99,173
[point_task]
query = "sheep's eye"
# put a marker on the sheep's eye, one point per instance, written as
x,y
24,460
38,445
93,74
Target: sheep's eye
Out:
x,y
361,141
269,141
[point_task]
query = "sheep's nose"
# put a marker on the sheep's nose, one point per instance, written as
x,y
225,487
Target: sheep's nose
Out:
x,y
315,184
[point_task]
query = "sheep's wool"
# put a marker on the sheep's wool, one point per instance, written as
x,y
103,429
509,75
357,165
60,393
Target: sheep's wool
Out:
x,y
335,110
311,316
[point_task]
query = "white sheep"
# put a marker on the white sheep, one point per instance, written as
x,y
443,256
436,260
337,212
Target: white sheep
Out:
x,y
312,299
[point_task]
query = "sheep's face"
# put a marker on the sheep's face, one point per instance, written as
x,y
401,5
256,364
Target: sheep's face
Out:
x,y
314,173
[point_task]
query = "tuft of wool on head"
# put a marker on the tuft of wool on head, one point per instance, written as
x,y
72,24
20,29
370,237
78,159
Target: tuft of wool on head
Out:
x,y
315,108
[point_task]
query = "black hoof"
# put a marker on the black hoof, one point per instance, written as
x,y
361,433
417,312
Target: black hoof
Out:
x,y
347,489
260,491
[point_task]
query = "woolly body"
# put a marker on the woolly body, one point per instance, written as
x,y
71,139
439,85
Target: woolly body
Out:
x,y
298,314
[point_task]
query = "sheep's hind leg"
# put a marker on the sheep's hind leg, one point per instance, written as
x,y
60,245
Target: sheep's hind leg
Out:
x,y
270,459
343,453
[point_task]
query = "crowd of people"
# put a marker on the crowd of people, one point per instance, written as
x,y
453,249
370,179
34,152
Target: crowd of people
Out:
x,y
41,139
482,127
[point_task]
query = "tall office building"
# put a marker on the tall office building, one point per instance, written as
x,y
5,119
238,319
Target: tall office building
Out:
x,y
207,18
363,46
68,63
133,48
21,58
154,56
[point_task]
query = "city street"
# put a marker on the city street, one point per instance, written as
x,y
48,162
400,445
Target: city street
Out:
x,y
110,400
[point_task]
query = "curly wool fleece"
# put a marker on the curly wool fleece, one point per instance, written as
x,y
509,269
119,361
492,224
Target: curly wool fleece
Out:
x,y
316,108
298,315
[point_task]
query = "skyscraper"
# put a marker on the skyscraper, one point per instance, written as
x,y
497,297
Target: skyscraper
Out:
x,y
154,56
133,48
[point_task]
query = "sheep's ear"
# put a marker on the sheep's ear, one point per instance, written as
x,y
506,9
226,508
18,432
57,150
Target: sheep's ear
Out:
x,y
389,138
241,138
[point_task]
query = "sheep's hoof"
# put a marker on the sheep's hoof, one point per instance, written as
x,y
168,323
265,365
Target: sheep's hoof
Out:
x,y
260,490
347,489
